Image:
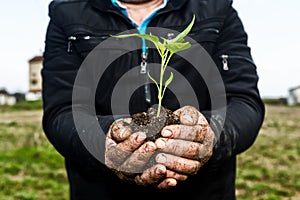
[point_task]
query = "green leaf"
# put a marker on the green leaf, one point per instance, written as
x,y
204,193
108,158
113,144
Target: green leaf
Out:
x,y
153,80
175,47
167,83
126,35
162,47
169,80
152,38
180,37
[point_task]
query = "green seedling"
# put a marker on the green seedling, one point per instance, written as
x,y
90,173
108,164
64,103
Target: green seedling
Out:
x,y
166,49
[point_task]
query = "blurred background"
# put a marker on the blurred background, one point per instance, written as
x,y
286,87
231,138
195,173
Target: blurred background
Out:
x,y
31,169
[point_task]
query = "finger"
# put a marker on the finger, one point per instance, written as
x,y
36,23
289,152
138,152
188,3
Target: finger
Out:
x,y
133,142
182,148
114,157
202,120
192,133
167,183
121,130
139,158
154,174
176,176
116,154
189,115
178,164
151,175
125,177
209,138
207,149
109,142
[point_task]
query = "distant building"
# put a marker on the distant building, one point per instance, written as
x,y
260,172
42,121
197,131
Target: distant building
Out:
x,y
6,98
294,96
10,99
35,78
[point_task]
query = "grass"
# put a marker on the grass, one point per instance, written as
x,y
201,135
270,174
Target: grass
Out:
x,y
270,168
22,105
31,169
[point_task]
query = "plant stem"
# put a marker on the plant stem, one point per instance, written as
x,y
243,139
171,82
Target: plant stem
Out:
x,y
161,83
161,91
166,64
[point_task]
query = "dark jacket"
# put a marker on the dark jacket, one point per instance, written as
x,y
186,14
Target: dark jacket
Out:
x,y
77,26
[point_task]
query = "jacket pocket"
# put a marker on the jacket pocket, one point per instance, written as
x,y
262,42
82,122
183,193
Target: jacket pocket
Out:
x,y
206,33
84,44
207,30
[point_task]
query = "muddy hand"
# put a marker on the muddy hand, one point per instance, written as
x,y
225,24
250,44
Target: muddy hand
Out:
x,y
185,148
125,152
188,146
160,177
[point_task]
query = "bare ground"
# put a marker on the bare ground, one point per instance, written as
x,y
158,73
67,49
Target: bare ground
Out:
x,y
21,116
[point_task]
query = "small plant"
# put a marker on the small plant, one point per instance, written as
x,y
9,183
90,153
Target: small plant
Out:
x,y
166,50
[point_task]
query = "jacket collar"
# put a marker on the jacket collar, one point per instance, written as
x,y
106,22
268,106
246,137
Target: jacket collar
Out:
x,y
107,6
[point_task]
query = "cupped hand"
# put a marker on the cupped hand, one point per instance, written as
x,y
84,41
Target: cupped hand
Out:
x,y
185,147
126,153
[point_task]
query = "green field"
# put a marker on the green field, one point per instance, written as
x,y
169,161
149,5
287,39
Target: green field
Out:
x,y
270,169
31,169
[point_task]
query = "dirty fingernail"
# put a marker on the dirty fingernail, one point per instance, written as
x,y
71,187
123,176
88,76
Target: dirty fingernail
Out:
x,y
160,169
141,137
172,182
160,144
150,147
166,133
123,132
161,158
188,118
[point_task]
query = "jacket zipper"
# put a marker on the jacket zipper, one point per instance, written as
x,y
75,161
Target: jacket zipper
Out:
x,y
144,63
73,38
225,62
70,39
225,58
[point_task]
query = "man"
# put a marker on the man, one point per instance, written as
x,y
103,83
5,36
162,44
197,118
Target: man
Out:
x,y
196,158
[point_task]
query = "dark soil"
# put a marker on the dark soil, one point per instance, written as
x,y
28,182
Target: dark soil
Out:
x,y
152,125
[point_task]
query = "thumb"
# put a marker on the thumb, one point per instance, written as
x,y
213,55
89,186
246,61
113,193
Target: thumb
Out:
x,y
188,115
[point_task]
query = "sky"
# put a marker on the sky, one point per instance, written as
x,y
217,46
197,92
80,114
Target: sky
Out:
x,y
272,26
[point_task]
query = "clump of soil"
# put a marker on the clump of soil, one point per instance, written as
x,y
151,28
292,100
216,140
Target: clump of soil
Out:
x,y
152,125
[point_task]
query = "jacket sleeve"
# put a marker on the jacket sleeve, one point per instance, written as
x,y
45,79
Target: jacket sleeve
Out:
x,y
59,73
245,109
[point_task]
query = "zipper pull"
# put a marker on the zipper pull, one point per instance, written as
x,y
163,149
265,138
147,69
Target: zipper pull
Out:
x,y
225,62
144,63
71,38
170,36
